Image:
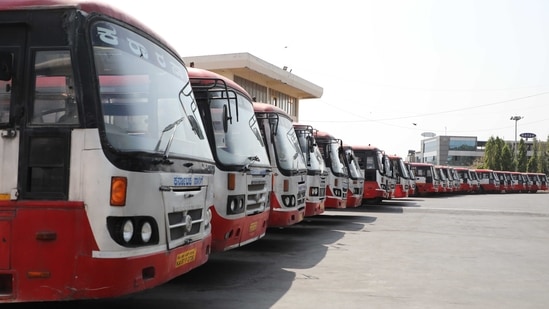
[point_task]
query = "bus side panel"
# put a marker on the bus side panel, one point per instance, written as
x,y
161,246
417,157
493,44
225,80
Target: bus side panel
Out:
x,y
228,234
48,239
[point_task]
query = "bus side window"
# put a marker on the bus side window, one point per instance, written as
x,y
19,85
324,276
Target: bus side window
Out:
x,y
54,98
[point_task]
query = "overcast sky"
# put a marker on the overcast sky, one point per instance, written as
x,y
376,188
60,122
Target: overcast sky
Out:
x,y
390,70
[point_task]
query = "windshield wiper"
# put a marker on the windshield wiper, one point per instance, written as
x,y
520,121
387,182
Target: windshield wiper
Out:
x,y
169,127
251,160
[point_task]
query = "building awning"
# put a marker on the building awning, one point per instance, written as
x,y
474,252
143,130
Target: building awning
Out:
x,y
252,68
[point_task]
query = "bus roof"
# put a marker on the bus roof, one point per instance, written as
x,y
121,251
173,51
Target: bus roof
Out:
x,y
260,107
325,135
196,73
302,125
483,170
89,6
365,147
421,164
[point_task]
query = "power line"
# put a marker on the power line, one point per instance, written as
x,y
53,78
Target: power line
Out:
x,y
426,114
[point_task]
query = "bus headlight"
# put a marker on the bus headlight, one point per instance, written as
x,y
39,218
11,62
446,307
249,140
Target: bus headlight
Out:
x,y
288,200
133,231
235,204
208,217
127,231
146,232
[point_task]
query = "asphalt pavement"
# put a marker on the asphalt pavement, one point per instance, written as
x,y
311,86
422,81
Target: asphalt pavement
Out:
x,y
470,251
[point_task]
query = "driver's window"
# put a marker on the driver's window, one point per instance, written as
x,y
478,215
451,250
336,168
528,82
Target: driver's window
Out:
x,y
6,65
54,99
5,96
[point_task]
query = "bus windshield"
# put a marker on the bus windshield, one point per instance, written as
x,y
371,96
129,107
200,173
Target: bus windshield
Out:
x,y
312,154
146,97
288,151
403,169
239,141
352,164
336,162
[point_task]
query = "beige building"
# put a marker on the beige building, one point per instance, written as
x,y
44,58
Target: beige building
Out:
x,y
265,82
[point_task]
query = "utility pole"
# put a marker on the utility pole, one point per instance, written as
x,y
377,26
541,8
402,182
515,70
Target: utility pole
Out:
x,y
516,119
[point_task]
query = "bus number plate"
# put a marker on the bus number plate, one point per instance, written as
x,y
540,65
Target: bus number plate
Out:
x,y
185,257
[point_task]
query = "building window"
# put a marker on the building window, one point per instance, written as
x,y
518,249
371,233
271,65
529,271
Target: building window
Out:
x,y
461,143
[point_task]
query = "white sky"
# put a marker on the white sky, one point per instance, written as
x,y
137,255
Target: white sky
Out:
x,y
390,70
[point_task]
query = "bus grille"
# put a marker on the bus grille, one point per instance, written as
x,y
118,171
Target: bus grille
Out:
x,y
256,201
178,223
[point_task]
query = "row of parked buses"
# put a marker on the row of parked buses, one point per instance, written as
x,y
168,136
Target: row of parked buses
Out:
x,y
432,179
118,159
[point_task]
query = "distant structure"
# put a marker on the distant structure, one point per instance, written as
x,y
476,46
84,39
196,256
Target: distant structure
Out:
x,y
265,82
454,150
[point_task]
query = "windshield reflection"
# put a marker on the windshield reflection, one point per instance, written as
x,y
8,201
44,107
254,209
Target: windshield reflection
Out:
x,y
239,142
288,151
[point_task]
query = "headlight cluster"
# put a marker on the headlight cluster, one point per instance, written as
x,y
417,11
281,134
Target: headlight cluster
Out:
x,y
314,191
208,218
337,192
236,204
133,231
288,200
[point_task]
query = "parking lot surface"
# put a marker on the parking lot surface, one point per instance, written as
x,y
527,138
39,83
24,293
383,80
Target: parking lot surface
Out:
x,y
470,251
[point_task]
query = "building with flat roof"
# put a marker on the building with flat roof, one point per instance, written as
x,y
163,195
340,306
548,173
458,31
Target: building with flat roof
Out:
x,y
265,82
455,150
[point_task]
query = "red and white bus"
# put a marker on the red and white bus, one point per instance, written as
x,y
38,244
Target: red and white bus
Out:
x,y
465,179
317,173
502,185
289,170
402,178
375,167
446,186
338,179
242,179
475,187
108,161
518,183
543,181
453,180
356,178
487,181
535,182
526,183
412,180
427,179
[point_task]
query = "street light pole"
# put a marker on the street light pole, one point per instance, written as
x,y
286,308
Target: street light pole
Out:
x,y
516,119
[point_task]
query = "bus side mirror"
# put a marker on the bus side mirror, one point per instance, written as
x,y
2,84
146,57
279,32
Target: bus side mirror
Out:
x,y
226,118
6,66
310,144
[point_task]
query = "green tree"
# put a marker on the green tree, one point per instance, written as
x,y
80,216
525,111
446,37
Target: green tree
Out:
x,y
507,163
532,165
497,159
522,158
544,157
492,153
